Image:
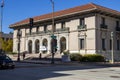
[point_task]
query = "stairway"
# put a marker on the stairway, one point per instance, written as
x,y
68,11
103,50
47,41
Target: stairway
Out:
x,y
57,57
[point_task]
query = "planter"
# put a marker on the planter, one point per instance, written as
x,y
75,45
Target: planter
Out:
x,y
66,58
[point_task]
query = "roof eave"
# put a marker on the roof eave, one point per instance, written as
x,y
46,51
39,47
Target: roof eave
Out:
x,y
67,14
109,13
16,25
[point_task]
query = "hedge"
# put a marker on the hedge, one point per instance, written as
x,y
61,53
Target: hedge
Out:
x,y
92,58
87,57
75,57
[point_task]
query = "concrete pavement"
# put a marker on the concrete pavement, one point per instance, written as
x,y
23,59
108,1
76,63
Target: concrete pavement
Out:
x,y
60,72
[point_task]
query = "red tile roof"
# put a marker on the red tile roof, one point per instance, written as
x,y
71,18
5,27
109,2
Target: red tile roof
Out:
x,y
89,6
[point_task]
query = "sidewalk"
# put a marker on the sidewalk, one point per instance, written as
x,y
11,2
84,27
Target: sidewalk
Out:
x,y
59,62
105,64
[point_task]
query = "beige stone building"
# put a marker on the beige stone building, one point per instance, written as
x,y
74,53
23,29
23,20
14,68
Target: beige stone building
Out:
x,y
83,29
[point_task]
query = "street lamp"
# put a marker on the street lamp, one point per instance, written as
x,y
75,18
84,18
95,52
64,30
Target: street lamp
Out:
x,y
19,34
52,36
112,52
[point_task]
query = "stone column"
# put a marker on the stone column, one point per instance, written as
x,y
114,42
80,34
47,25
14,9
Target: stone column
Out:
x,y
26,45
49,46
67,43
33,46
40,45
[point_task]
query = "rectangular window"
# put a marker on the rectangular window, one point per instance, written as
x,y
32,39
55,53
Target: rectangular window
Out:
x,y
45,28
82,43
82,21
54,26
19,33
110,44
103,20
37,29
63,25
30,30
117,23
118,46
103,44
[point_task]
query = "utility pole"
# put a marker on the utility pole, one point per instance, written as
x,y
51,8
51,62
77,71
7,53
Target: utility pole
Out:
x,y
52,36
2,6
19,34
1,22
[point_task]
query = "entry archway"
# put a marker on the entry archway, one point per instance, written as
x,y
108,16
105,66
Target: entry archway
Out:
x,y
45,44
53,45
37,46
30,46
62,44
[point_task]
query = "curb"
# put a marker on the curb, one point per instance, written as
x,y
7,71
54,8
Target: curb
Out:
x,y
73,63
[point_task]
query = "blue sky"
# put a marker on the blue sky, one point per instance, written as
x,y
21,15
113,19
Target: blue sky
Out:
x,y
17,10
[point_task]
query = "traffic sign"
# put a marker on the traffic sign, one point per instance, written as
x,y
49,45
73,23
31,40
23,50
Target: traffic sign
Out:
x,y
53,36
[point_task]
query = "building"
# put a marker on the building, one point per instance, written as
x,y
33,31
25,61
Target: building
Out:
x,y
83,29
6,36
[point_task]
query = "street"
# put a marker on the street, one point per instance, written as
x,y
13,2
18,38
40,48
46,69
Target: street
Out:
x,y
27,71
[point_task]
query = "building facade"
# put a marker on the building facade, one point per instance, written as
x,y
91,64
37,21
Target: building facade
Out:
x,y
84,29
6,36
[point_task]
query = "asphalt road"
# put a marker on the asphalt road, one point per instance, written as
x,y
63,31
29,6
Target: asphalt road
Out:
x,y
26,71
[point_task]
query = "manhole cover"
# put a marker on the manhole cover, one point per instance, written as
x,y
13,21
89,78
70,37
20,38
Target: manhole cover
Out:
x,y
115,76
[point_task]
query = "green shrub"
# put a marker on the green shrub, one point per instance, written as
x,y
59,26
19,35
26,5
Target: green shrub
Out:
x,y
75,57
92,58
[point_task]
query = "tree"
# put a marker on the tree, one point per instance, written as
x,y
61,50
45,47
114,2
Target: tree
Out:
x,y
9,46
3,44
6,45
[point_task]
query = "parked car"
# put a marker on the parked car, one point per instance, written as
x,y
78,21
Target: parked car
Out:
x,y
6,62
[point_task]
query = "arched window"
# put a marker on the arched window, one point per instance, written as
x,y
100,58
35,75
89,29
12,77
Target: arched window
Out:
x,y
45,45
62,44
30,46
37,46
